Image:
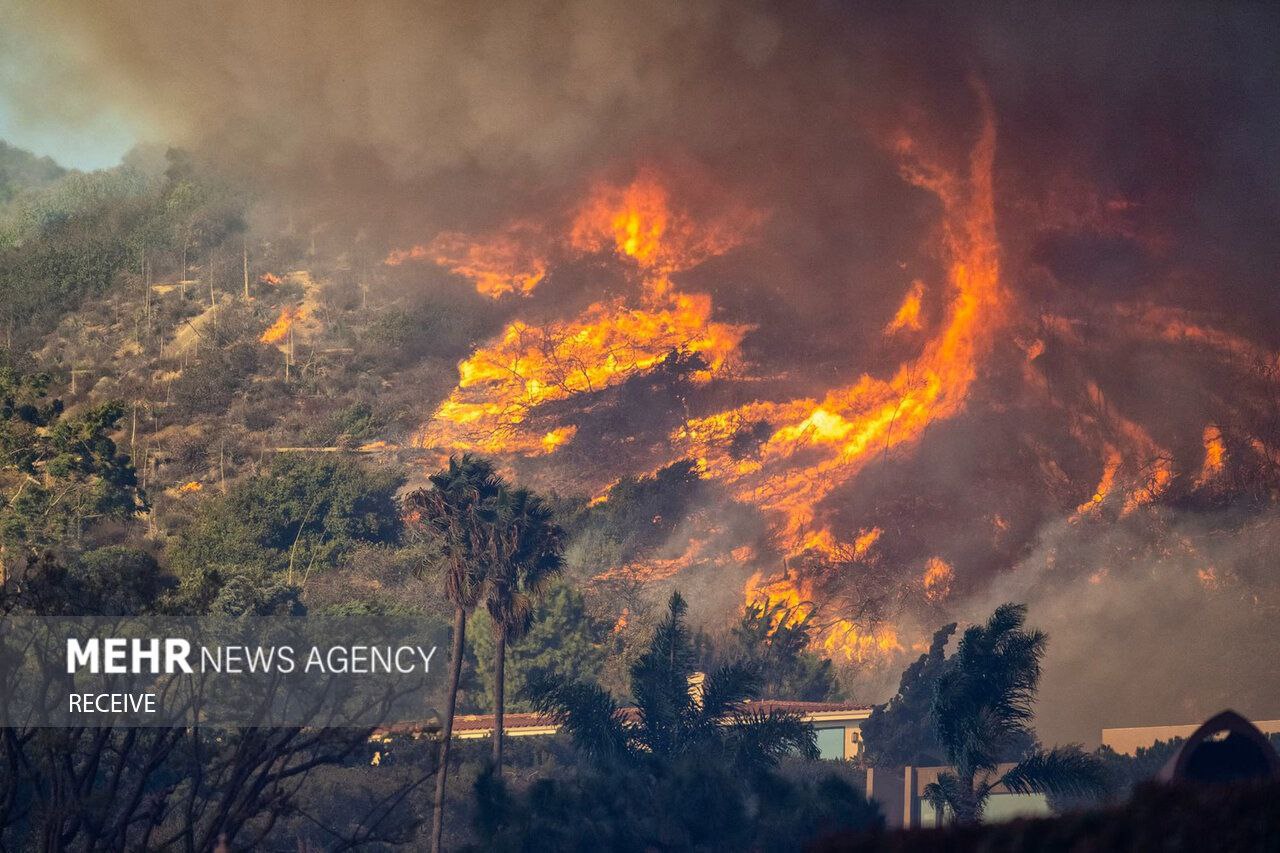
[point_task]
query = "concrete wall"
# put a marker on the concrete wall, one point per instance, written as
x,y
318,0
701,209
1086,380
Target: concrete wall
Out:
x,y
1127,741
900,793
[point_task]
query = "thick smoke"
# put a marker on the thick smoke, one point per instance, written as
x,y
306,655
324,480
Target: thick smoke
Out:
x,y
1135,167
1148,624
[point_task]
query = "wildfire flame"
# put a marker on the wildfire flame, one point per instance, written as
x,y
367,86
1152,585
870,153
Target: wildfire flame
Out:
x,y
497,264
838,637
1128,450
638,222
1215,455
815,446
812,446
938,576
279,330
528,366
908,318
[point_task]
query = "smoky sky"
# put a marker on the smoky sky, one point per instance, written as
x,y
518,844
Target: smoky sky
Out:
x,y
1137,147
403,118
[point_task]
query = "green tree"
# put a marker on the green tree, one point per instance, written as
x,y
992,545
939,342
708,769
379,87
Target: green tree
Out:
x,y
670,719
301,515
57,472
983,703
529,545
563,640
461,510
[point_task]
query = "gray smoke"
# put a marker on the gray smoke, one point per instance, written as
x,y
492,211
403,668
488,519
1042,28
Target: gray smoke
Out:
x,y
1159,620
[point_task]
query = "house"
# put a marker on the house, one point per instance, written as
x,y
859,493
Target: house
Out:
x,y
838,724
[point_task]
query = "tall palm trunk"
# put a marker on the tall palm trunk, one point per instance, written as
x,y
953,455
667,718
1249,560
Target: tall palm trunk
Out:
x,y
442,772
499,695
967,811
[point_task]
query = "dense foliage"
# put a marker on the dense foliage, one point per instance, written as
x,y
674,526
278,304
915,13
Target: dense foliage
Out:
x,y
58,471
299,517
564,640
690,768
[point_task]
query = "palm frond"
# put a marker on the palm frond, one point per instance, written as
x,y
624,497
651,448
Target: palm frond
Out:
x,y
660,682
1063,770
946,792
726,688
762,738
586,712
985,699
459,510
527,554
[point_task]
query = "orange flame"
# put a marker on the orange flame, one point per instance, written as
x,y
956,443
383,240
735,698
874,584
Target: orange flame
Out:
x,y
1128,450
270,278
863,544
839,637
908,317
498,264
1109,468
818,445
527,366
938,576
278,330
638,223
1215,455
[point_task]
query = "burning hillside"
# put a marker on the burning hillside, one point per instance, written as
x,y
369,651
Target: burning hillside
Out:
x,y
840,549
923,304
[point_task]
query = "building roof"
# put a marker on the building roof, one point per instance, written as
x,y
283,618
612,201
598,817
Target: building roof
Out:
x,y
532,723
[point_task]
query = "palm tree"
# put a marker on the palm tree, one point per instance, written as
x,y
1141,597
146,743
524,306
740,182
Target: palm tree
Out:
x,y
529,555
670,721
983,711
461,509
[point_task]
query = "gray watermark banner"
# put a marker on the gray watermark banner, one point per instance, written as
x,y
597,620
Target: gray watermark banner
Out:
x,y
327,671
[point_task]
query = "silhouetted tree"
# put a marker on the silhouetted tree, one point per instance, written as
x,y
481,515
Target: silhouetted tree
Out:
x,y
776,641
983,703
902,730
670,719
529,545
461,509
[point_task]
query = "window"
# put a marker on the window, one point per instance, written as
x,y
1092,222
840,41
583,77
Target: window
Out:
x,y
831,743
